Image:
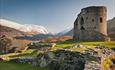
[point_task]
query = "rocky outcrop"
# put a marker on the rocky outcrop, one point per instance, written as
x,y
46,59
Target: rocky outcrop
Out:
x,y
41,46
98,57
69,59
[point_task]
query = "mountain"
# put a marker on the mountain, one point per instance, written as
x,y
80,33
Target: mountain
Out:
x,y
69,33
35,37
64,32
111,28
28,28
111,25
11,32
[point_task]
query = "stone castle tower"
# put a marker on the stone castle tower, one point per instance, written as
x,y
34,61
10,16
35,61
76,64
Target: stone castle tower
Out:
x,y
91,24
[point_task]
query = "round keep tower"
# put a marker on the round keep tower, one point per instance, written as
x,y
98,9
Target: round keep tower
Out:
x,y
96,18
91,21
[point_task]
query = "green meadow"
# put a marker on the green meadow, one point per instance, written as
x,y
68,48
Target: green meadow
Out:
x,y
110,44
19,66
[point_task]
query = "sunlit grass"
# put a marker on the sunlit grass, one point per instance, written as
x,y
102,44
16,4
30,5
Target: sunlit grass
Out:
x,y
27,53
110,44
19,66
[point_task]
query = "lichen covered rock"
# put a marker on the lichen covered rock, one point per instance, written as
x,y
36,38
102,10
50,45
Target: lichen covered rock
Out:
x,y
67,59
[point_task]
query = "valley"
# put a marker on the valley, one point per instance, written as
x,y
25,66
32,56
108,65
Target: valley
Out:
x,y
57,35
40,51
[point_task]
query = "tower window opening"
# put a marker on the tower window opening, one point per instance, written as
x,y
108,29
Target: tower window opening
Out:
x,y
87,11
92,20
82,28
101,20
81,21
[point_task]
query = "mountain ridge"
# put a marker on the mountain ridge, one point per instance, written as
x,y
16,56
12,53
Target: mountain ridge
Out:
x,y
11,32
29,28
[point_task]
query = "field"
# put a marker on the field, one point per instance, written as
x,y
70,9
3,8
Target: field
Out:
x,y
18,66
32,53
70,43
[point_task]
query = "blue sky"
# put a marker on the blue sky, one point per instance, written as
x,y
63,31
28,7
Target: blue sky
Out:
x,y
55,15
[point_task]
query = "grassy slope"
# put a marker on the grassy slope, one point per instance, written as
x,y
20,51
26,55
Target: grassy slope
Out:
x,y
27,53
18,66
70,43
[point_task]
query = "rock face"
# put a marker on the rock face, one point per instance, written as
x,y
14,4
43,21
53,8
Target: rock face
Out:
x,y
41,46
101,53
91,24
62,60
68,59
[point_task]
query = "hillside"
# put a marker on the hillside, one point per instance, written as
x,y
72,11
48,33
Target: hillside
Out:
x,y
22,31
111,25
28,28
70,33
10,31
111,28
35,37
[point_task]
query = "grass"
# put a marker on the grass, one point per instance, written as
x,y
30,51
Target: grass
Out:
x,y
27,53
19,66
110,44
6,65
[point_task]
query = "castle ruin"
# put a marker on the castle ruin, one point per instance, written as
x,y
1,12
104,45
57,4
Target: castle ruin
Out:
x,y
91,24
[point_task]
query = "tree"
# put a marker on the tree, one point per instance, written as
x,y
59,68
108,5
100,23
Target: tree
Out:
x,y
5,44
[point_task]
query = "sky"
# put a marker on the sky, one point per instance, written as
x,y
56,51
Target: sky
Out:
x,y
54,15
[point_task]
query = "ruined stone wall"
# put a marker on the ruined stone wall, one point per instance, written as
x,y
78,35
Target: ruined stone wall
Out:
x,y
91,24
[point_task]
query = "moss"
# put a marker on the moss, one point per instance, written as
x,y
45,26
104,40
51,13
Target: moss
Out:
x,y
108,62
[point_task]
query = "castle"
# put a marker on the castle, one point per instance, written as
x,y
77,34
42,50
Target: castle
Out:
x,y
91,24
